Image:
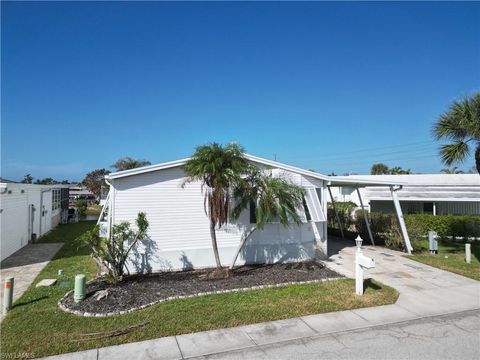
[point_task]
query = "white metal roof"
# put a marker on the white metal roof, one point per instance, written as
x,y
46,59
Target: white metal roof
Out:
x,y
10,185
333,180
181,162
360,181
424,179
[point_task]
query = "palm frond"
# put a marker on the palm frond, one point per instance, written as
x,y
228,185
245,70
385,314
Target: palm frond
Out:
x,y
455,152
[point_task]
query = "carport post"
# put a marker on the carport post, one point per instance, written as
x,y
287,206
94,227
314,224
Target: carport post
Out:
x,y
336,213
365,216
401,220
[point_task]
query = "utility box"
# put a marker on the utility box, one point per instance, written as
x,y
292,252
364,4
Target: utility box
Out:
x,y
432,242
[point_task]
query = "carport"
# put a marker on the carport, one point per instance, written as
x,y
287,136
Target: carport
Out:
x,y
338,181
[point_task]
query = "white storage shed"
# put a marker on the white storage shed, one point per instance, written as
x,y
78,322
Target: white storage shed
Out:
x,y
28,211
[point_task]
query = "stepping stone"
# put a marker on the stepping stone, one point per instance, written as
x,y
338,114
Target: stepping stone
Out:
x,y
46,282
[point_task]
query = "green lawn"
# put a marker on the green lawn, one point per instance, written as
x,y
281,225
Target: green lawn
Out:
x,y
450,257
36,325
94,209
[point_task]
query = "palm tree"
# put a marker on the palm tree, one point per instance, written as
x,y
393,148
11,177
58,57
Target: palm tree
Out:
x,y
397,170
379,169
452,170
220,169
461,126
27,179
127,163
272,198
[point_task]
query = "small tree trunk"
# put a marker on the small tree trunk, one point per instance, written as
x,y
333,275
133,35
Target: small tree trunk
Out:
x,y
241,245
213,235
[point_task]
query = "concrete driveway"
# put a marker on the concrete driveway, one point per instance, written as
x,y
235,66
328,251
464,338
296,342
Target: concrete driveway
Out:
x,y
424,290
25,265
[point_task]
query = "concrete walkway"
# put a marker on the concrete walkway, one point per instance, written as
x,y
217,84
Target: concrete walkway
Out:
x,y
424,291
24,266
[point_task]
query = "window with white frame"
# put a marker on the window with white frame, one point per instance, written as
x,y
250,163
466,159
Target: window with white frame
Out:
x,y
56,199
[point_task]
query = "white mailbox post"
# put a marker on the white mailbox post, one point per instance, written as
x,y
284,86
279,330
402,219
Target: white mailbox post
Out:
x,y
361,261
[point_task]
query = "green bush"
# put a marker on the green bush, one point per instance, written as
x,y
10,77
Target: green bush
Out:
x,y
385,227
81,206
444,225
344,210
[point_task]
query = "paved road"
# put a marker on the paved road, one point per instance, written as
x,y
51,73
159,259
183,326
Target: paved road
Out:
x,y
454,336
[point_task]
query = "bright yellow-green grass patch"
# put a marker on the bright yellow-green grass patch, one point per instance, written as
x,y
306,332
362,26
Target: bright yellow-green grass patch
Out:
x,y
451,257
38,327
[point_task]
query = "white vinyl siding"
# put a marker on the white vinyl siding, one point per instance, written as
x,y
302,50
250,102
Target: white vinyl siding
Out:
x,y
179,228
14,222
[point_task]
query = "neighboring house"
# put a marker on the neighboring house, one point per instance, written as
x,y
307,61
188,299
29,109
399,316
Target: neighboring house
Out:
x,y
437,194
29,211
179,235
78,191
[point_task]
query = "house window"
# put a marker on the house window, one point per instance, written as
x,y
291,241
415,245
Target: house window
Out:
x,y
56,199
305,208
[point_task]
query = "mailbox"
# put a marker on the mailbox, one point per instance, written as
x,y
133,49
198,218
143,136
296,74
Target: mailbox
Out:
x,y
366,262
361,262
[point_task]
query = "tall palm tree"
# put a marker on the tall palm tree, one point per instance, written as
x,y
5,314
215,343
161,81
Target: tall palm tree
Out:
x,y
272,198
220,169
461,126
127,163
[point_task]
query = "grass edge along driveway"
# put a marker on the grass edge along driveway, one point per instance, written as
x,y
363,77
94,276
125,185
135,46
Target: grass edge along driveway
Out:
x,y
450,257
36,327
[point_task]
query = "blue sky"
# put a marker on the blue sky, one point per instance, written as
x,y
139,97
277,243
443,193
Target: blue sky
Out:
x,y
325,86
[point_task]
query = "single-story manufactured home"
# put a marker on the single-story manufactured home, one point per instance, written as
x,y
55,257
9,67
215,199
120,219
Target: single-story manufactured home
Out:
x,y
436,194
179,235
29,211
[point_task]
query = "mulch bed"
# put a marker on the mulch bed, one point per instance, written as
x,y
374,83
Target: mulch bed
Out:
x,y
139,290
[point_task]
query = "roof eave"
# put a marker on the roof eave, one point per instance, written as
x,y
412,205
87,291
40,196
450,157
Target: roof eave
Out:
x,y
171,164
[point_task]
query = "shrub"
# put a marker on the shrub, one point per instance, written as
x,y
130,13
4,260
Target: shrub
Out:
x,y
444,225
344,210
81,206
111,254
385,227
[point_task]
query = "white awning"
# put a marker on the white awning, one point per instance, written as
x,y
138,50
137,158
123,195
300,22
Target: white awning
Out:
x,y
313,204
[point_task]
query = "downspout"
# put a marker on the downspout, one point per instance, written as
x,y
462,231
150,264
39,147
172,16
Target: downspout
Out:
x,y
110,207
